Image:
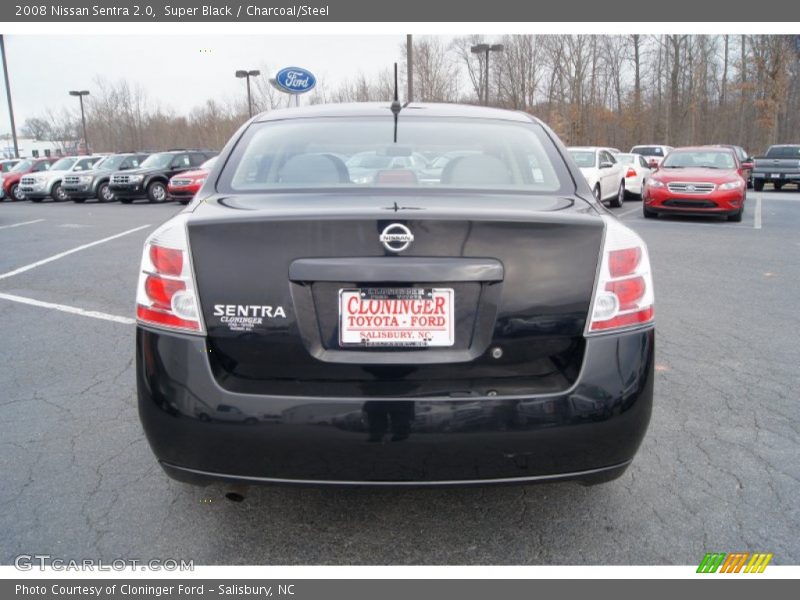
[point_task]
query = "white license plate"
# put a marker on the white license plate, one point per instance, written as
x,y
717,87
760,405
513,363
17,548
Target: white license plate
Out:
x,y
775,175
396,317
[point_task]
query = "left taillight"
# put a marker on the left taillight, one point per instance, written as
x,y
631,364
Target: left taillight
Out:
x,y
623,296
166,296
631,172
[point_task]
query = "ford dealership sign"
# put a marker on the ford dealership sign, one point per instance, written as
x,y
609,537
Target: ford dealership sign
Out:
x,y
295,80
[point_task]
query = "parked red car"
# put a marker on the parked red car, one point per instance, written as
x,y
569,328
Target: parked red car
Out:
x,y
184,186
697,181
28,165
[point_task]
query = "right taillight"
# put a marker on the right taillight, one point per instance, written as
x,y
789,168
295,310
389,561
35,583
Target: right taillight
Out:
x,y
166,296
623,296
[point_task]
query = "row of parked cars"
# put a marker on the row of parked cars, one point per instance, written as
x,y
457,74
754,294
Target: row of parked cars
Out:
x,y
686,181
128,176
676,180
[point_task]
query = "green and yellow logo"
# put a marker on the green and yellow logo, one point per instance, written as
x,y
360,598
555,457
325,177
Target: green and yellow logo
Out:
x,y
736,562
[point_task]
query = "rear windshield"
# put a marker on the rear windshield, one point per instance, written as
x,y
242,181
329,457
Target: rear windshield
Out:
x,y
583,158
784,152
434,153
709,159
647,150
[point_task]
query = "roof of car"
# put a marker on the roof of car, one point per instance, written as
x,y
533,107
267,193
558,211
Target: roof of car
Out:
x,y
722,148
373,109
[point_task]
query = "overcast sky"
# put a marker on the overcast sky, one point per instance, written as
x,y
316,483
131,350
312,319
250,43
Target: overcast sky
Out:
x,y
180,71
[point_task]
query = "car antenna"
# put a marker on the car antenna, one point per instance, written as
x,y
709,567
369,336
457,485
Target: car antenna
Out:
x,y
396,107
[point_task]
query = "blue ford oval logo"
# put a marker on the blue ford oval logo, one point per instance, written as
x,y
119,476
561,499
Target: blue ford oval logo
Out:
x,y
295,80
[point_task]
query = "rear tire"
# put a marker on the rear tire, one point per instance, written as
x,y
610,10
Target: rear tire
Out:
x,y
620,198
596,192
758,184
157,192
648,214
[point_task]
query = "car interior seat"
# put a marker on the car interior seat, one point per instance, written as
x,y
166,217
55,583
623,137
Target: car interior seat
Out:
x,y
316,169
476,169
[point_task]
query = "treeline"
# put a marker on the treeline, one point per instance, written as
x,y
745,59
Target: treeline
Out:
x,y
592,89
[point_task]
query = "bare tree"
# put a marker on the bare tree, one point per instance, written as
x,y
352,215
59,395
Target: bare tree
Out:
x,y
518,72
435,78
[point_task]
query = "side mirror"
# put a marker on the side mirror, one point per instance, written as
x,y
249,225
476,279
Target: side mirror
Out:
x,y
606,165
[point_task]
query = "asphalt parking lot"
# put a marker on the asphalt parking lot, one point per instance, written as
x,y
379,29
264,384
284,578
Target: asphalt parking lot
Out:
x,y
718,470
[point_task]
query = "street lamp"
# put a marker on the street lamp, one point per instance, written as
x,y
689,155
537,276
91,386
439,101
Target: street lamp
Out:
x,y
485,49
247,75
80,94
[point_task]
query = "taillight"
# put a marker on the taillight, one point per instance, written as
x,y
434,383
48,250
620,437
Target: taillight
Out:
x,y
623,295
166,296
631,172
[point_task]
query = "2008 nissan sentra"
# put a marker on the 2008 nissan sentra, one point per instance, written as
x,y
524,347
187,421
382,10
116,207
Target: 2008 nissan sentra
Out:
x,y
493,324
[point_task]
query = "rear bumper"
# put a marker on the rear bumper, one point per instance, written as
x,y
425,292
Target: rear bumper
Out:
x,y
769,177
633,185
202,433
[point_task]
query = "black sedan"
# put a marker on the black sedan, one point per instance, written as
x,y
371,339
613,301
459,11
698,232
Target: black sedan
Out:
x,y
298,326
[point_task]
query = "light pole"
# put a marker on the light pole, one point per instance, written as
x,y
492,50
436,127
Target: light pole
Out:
x,y
410,67
8,97
247,75
80,94
485,49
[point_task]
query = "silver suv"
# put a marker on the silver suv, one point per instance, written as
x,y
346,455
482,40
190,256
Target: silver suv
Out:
x,y
38,186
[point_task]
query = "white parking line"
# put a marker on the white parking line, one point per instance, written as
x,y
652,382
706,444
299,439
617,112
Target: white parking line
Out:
x,y
757,217
21,224
628,212
68,309
39,263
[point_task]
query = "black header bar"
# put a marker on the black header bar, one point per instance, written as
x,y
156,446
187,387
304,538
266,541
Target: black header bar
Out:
x,y
453,11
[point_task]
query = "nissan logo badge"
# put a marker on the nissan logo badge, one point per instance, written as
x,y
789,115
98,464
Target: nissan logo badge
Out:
x,y
396,237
